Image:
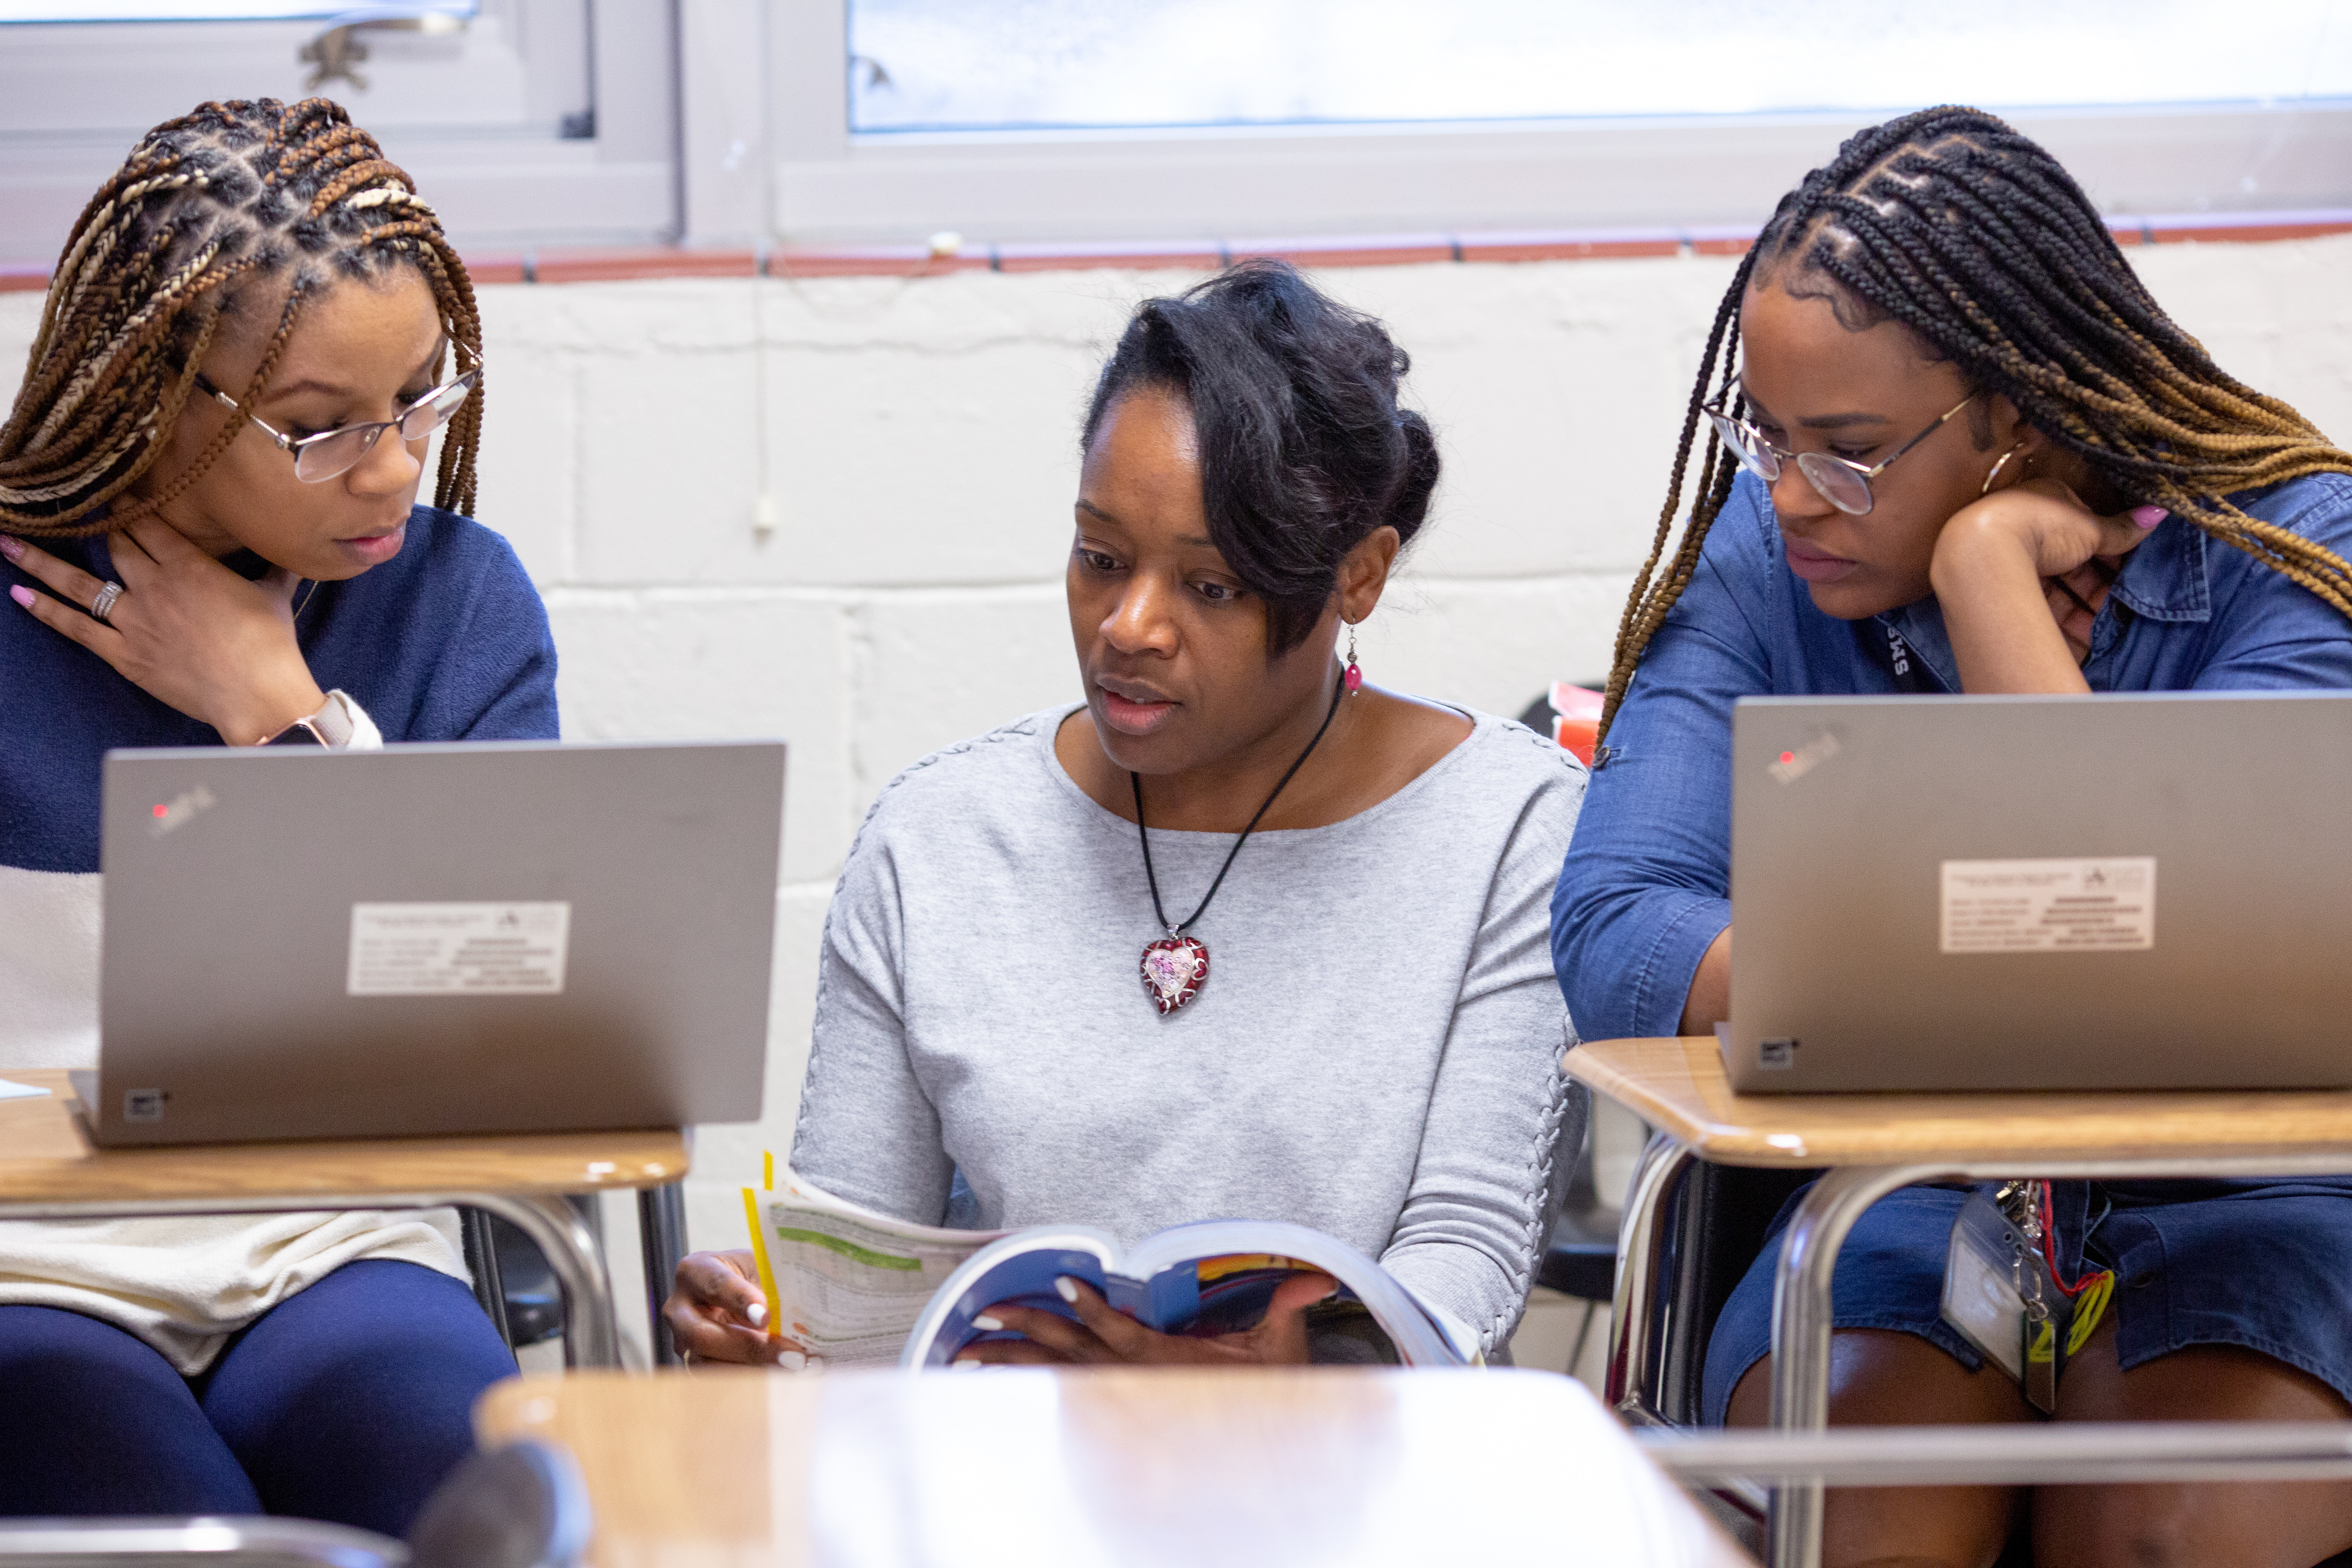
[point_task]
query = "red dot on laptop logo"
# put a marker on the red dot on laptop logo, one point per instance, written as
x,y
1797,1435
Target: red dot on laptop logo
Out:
x,y
1786,757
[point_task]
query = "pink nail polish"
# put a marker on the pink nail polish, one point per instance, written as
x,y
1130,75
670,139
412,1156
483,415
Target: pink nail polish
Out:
x,y
22,595
11,546
2149,516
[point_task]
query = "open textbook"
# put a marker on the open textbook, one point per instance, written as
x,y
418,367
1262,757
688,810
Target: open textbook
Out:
x,y
859,1288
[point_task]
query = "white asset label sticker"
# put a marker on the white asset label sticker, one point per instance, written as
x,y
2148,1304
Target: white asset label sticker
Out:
x,y
458,949
2049,906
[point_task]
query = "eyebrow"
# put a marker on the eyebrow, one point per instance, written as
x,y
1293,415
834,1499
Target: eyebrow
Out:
x,y
1842,421
1198,541
333,389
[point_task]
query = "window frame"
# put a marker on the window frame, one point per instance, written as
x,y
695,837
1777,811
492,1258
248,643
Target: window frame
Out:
x,y
833,186
496,191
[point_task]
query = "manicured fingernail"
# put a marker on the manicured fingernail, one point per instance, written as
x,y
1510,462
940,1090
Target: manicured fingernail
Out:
x,y
757,1313
817,1363
963,1364
21,594
11,547
791,1360
1065,1286
2149,516
986,1324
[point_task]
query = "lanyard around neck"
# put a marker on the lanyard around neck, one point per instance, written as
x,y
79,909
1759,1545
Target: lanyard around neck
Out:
x,y
1900,660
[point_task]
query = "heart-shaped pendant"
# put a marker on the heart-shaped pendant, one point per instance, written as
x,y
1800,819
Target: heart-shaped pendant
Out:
x,y
1173,969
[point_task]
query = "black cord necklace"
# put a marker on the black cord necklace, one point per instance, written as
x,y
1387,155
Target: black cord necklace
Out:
x,y
1175,966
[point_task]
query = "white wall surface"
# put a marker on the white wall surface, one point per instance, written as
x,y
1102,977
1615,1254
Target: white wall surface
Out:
x,y
919,441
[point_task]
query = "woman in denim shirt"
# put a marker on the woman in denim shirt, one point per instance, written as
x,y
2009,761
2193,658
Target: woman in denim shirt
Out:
x,y
2084,502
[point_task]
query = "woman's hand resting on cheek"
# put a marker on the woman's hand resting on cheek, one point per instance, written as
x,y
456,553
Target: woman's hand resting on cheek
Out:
x,y
1103,1336
187,630
716,1312
2021,576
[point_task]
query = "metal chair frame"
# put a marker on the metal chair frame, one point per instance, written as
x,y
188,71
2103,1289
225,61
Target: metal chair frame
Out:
x,y
661,1239
238,1541
1656,1341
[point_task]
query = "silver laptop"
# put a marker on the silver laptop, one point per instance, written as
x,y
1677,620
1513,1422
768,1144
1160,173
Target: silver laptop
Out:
x,y
438,939
2150,890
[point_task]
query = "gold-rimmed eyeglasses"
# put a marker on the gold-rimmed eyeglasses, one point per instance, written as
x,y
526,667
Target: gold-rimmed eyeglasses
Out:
x,y
323,457
1841,481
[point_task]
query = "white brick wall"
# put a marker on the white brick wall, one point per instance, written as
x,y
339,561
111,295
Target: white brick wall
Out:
x,y
921,448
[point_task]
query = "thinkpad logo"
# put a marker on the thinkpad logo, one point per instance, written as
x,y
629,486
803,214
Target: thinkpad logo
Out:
x,y
175,813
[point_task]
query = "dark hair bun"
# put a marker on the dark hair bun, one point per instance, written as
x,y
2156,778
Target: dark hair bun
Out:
x,y
1303,451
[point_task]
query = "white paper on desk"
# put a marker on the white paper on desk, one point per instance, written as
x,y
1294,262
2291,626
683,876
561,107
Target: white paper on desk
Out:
x,y
19,1091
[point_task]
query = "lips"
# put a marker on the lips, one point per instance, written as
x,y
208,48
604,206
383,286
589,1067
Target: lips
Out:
x,y
1131,707
376,548
1817,565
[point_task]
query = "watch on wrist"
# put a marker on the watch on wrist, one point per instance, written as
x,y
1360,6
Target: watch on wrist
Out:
x,y
330,727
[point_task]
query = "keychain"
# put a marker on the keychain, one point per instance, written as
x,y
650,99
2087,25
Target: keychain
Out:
x,y
2003,1293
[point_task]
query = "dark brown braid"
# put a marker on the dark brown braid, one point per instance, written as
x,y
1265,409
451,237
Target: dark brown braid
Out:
x,y
1978,241
232,195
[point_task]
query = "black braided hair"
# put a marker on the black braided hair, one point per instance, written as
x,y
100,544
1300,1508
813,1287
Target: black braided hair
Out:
x,y
1979,242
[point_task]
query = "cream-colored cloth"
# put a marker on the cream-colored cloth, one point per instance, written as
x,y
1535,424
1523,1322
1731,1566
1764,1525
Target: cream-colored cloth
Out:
x,y
49,969
184,1284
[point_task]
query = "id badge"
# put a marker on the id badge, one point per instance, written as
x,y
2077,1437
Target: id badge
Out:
x,y
1995,1295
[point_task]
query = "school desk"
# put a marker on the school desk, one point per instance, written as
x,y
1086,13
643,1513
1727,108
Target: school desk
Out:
x,y
50,1170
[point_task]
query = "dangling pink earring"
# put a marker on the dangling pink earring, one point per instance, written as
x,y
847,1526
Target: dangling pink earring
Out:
x,y
1354,679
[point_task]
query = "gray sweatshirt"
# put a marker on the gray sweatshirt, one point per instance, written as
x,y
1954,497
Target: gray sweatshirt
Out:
x,y
1374,1052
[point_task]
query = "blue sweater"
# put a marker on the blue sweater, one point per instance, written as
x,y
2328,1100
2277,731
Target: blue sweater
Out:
x,y
446,641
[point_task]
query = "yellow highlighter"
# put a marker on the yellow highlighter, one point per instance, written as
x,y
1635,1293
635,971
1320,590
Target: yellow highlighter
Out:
x,y
760,1255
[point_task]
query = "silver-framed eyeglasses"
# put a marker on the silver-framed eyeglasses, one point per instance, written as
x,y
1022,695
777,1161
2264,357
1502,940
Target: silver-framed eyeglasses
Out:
x,y
330,453
1841,481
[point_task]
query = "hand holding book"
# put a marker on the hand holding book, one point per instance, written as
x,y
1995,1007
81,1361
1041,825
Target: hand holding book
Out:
x,y
1104,1335
716,1311
828,1282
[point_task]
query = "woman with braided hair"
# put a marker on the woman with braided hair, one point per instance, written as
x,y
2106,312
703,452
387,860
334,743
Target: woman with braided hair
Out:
x,y
209,534
1953,445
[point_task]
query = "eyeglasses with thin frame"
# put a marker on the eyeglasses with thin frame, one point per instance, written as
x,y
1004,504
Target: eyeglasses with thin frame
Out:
x,y
330,453
1841,481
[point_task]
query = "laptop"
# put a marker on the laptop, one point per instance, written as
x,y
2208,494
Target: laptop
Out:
x,y
2143,891
434,938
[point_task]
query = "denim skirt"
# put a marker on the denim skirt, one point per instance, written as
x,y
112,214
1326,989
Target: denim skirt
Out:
x,y
2267,1265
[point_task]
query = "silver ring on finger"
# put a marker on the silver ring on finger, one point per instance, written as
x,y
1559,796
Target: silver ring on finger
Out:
x,y
105,601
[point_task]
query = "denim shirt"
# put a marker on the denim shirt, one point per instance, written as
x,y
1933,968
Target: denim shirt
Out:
x,y
1645,888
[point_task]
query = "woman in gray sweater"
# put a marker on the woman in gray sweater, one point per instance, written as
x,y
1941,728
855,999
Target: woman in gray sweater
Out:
x,y
1237,936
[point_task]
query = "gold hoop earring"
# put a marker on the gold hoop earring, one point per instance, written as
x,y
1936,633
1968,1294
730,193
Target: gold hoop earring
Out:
x,y
1985,488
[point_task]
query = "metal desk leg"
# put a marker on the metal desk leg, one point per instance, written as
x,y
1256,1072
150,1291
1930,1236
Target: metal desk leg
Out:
x,y
661,1235
1641,1246
1800,1334
590,1336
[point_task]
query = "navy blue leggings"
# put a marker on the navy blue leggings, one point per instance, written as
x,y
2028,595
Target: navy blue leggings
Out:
x,y
346,1402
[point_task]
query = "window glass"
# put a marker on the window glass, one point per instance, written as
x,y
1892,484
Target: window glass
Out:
x,y
1000,65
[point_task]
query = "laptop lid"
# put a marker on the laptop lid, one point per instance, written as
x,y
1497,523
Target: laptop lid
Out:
x,y
435,939
2118,890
